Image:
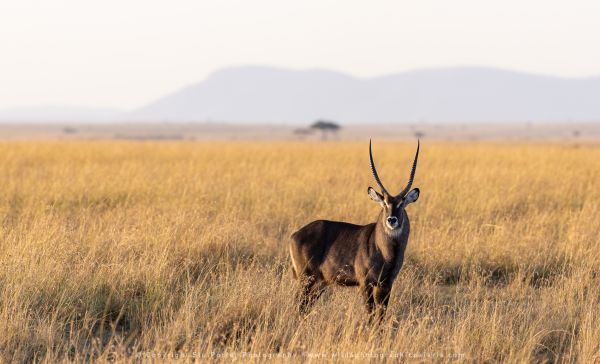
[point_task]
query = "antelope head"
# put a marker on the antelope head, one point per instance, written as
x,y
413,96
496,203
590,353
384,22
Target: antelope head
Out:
x,y
393,206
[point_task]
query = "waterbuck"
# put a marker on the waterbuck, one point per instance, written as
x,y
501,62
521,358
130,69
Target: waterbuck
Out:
x,y
369,256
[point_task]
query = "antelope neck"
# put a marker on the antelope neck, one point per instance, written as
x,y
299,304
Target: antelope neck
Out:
x,y
386,240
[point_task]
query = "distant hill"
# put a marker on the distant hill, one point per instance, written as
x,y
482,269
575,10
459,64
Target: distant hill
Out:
x,y
274,95
262,94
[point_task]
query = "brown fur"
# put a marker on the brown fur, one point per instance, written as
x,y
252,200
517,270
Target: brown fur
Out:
x,y
332,252
370,256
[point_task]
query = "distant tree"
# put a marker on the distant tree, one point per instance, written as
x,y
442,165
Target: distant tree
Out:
x,y
576,133
69,130
326,127
302,132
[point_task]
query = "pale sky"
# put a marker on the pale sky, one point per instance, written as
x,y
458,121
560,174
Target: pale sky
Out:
x,y
123,54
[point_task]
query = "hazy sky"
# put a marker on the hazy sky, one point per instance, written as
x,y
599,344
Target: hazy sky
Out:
x,y
123,54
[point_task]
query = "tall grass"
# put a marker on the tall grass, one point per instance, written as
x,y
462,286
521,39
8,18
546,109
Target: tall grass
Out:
x,y
127,251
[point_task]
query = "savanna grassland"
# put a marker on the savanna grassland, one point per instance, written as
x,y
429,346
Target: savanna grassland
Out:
x,y
141,250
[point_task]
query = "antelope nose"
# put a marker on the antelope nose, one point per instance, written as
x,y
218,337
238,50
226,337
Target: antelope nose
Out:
x,y
392,220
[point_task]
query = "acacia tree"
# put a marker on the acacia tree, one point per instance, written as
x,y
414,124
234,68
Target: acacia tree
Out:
x,y
325,127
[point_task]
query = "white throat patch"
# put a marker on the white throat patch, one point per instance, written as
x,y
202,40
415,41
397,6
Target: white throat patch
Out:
x,y
396,232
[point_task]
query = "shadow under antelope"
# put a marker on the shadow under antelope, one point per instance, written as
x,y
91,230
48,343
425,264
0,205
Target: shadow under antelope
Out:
x,y
369,256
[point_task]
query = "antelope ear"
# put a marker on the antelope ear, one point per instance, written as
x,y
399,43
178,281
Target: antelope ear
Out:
x,y
375,196
412,196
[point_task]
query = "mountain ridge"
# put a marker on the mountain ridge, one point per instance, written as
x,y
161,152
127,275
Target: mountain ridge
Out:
x,y
462,94
263,94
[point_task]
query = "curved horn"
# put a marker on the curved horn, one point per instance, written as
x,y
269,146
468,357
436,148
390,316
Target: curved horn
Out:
x,y
374,171
412,172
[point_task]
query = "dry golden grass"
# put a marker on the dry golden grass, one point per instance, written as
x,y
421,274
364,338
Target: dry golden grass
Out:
x,y
124,250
